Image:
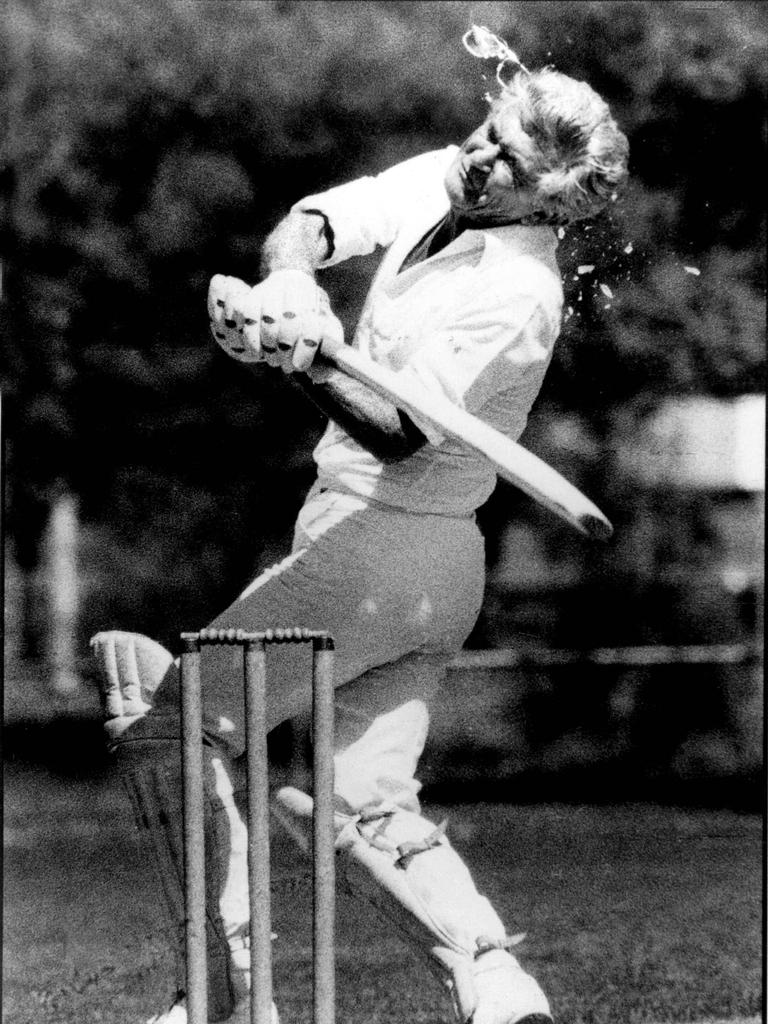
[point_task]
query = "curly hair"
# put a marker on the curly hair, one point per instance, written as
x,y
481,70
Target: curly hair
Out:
x,y
570,149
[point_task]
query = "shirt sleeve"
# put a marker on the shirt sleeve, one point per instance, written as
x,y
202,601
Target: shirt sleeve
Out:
x,y
369,211
492,358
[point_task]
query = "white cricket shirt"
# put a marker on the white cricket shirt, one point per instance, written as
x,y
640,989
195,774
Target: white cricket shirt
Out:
x,y
477,322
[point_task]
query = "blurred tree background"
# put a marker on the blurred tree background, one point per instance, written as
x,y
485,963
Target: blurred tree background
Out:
x,y
148,146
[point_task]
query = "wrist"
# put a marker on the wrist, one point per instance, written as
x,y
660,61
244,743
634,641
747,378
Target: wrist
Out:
x,y
299,242
286,262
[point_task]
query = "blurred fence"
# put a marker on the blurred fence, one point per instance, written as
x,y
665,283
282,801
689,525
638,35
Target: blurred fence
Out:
x,y
679,723
655,654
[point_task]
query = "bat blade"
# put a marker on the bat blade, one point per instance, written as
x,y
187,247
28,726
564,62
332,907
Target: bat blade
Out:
x,y
510,460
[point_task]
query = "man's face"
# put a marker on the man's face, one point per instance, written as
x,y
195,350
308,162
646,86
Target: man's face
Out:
x,y
485,183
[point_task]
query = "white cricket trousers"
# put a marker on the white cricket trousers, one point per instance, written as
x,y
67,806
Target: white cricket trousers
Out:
x,y
399,593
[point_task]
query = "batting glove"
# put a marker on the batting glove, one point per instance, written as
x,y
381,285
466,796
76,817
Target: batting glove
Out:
x,y
283,321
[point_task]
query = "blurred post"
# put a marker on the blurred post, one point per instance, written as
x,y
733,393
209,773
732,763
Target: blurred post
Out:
x,y
701,444
715,447
62,592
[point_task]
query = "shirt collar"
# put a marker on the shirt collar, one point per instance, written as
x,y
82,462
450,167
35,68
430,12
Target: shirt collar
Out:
x,y
539,241
533,240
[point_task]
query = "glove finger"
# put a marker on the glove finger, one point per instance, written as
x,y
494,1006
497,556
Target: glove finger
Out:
x,y
225,296
291,327
249,334
300,307
271,314
236,296
308,342
109,678
216,291
220,337
128,672
332,336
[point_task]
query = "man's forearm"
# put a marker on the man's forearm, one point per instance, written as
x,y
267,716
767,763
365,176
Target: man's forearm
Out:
x,y
374,422
301,241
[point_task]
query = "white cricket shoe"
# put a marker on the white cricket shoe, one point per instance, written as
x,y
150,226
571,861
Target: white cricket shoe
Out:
x,y
177,1014
506,994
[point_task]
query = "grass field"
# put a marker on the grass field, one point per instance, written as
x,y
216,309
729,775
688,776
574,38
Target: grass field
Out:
x,y
633,914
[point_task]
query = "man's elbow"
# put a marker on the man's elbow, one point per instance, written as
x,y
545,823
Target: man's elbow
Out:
x,y
392,454
397,447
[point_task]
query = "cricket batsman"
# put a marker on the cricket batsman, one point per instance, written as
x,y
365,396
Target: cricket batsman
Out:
x,y
386,554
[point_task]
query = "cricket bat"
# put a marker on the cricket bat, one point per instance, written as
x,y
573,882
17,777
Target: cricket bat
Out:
x,y
510,460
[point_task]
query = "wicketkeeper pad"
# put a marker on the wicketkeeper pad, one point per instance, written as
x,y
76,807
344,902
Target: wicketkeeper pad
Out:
x,y
148,755
157,807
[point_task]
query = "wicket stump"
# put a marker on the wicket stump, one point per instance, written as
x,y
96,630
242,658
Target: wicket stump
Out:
x,y
254,679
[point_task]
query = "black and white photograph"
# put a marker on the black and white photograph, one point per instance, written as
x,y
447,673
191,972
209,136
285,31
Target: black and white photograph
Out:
x,y
382,413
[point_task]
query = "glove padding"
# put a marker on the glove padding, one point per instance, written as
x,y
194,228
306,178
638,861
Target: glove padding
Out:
x,y
131,669
284,321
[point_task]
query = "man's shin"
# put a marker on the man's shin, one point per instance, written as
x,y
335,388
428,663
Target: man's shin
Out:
x,y
404,866
155,792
